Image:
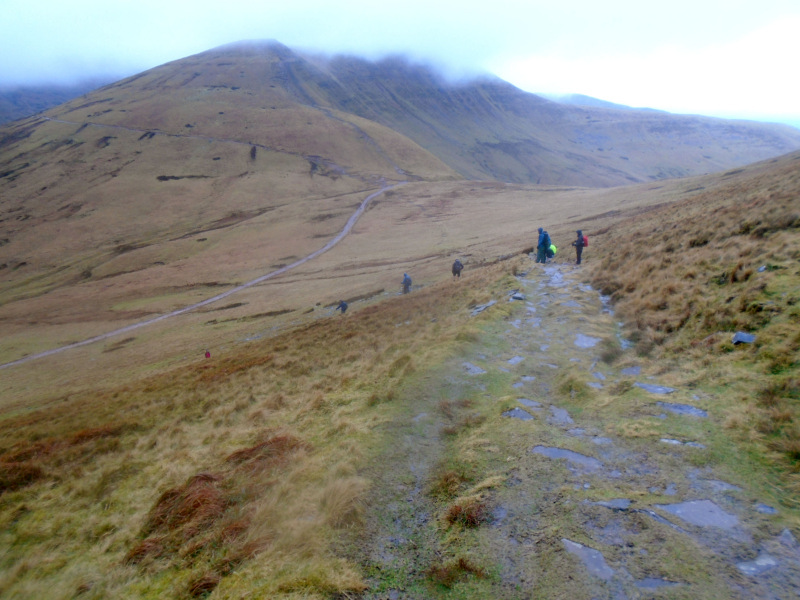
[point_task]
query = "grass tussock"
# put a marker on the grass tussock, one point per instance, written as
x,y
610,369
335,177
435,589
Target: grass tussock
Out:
x,y
469,511
449,573
687,276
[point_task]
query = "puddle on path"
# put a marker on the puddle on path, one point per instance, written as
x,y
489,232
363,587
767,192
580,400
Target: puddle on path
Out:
x,y
702,513
654,389
574,458
592,559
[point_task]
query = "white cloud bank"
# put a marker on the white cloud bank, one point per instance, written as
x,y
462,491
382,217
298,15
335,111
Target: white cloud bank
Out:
x,y
751,77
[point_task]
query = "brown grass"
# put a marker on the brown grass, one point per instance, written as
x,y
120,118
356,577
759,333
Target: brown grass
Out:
x,y
687,276
449,573
468,512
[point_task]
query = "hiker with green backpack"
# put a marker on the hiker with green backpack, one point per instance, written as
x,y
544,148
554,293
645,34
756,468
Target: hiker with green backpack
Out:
x,y
580,244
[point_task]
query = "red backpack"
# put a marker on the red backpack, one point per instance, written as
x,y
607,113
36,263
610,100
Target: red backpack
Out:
x,y
585,241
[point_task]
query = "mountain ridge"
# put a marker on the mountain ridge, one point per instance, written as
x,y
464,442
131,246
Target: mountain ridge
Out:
x,y
484,128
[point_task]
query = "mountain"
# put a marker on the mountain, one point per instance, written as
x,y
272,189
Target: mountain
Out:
x,y
160,189
481,129
19,102
582,100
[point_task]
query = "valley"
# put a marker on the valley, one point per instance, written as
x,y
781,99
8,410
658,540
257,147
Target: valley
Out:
x,y
185,414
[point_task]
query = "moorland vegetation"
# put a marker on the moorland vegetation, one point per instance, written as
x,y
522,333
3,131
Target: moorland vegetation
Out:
x,y
136,468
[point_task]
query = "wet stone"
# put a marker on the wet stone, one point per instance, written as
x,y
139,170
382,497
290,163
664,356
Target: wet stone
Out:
x,y
601,441
585,341
654,389
571,304
683,409
787,539
741,337
473,369
615,504
765,509
595,384
760,565
592,559
559,416
599,375
574,458
702,513
482,307
544,347
631,370
516,360
529,403
518,413
577,431
528,378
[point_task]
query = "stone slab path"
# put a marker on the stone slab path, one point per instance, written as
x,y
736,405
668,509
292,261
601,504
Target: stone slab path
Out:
x,y
587,507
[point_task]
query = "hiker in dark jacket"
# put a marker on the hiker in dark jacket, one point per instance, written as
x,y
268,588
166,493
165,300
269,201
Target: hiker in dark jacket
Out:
x,y
457,267
542,245
578,247
406,283
342,306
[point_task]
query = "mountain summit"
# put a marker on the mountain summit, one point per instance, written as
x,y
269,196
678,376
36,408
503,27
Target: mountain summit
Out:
x,y
267,94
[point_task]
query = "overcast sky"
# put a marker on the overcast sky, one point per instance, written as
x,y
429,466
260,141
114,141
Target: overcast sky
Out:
x,y
728,58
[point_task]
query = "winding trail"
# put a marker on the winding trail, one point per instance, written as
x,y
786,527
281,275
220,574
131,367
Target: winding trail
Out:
x,y
339,237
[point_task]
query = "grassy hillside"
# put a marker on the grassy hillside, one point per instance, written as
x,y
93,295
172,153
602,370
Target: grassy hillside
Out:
x,y
136,468
690,275
179,476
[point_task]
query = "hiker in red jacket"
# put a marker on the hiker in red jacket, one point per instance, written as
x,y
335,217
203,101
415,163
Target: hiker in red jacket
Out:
x,y
579,243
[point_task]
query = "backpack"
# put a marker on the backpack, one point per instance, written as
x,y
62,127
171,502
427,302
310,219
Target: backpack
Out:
x,y
546,240
585,241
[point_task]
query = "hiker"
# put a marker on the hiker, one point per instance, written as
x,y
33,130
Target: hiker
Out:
x,y
579,244
542,245
406,283
457,267
208,354
342,306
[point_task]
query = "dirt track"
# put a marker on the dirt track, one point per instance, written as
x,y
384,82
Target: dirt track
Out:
x,y
338,238
581,501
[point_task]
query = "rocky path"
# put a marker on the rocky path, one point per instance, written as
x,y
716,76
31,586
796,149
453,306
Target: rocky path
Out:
x,y
608,483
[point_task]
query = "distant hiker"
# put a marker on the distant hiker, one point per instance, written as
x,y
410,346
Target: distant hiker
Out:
x,y
457,268
406,283
579,244
208,354
342,306
542,245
